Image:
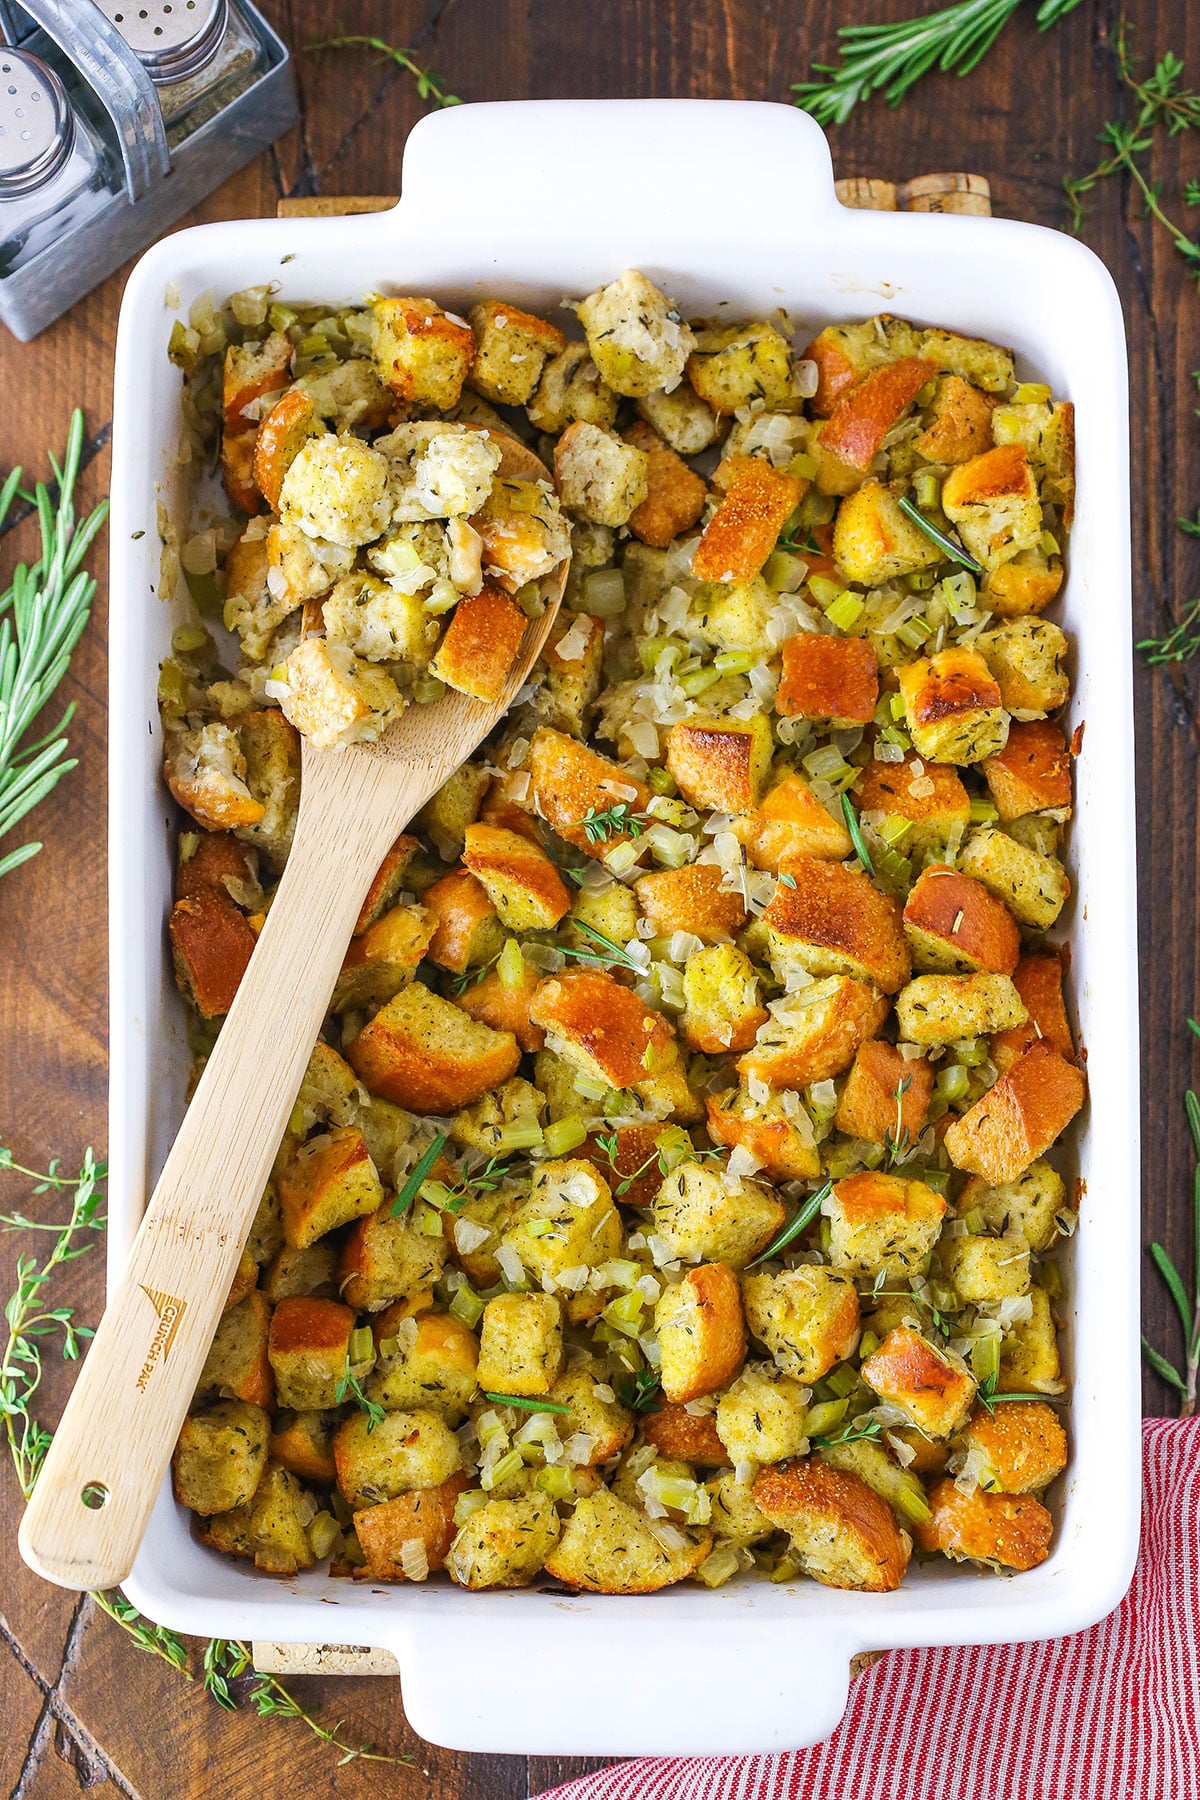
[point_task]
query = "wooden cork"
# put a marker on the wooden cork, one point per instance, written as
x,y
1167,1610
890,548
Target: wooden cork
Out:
x,y
946,194
322,1659
867,194
332,206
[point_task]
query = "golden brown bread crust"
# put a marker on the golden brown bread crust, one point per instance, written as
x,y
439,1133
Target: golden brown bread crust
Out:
x,y
1032,772
691,899
675,494
459,906
291,420
426,1514
1022,1442
887,788
524,880
481,643
303,1323
933,1389
789,822
216,859
844,917
717,764
772,1139
681,1436
441,343
569,781
386,882
954,681
970,928
212,945
961,422
632,1170
854,1012
845,1533
1009,1530
836,373
707,1346
505,1006
862,417
1019,1117
743,531
248,375
326,1183
828,678
1038,978
419,1060
994,475
608,1022
869,1108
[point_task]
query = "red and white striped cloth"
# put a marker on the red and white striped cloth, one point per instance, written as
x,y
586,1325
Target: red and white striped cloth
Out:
x,y
1112,1713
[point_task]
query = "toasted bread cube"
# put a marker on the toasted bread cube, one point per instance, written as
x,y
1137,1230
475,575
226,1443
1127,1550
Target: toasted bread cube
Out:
x,y
377,965
1018,1118
329,1092
882,1223
455,805
571,388
707,1215
505,1006
872,1464
211,945
960,422
309,1347
886,1096
608,1547
250,371
734,1516
325,1183
603,1028
567,1221
481,643
722,1009
521,881
337,488
520,1344
845,353
504,1543
1027,1207
1025,658
993,501
862,417
429,1361
938,1009
875,542
612,909
675,494
940,805
1015,1449
269,1528
1038,978
422,353
931,1385
333,697
734,365
272,751
385,1259
205,771
834,678
299,568
627,1156
511,349
1029,1359
683,1435
609,1424
303,1443
373,620
637,339
1032,772
953,706
408,1538
1033,887
831,919
844,1534
987,1268
424,1053
701,1332
807,1317
1003,1531
691,899
349,395
599,477
1025,585
467,933
571,781
283,432
405,1450
220,1457
743,531
782,1144
955,925
761,1417
818,1034
720,764
481,1127
680,418
237,1366
237,472
987,366
387,883
252,608
1046,432
312,1270
791,822
213,859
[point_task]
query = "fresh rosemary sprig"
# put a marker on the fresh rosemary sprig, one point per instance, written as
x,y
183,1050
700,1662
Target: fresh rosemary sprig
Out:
x,y
429,85
417,1175
1187,1306
989,1399
619,820
949,547
524,1404
42,615
891,58
350,1388
856,836
802,1220
232,1680
607,955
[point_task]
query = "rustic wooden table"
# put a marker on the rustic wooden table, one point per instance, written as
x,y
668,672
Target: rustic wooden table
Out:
x,y
81,1704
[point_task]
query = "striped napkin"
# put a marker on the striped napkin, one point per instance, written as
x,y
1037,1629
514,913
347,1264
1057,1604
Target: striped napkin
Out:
x,y
1112,1713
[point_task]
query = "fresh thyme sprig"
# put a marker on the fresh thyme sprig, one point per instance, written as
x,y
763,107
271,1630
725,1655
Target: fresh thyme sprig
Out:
x,y
641,1392
791,541
1179,644
472,977
350,1388
484,1180
618,820
898,1143
607,955
232,1680
610,1145
852,1433
802,1220
429,85
1187,1306
891,58
42,615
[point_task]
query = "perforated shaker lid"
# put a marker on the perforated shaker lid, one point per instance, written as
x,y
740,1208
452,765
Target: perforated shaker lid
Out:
x,y
171,38
36,123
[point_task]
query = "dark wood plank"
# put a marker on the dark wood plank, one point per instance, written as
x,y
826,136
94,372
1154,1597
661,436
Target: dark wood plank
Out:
x,y
1027,116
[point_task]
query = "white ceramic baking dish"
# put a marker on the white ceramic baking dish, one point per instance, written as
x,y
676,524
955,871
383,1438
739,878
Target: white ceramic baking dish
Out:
x,y
718,202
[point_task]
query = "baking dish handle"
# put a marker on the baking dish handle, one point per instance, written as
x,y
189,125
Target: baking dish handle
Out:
x,y
572,1685
684,167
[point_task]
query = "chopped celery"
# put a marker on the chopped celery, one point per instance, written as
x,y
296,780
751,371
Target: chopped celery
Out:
x,y
823,1418
982,811
699,681
912,1501
868,1344
844,610
466,1305
842,1381
1030,393
564,1136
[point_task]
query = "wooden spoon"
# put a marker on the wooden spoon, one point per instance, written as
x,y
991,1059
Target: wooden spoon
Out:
x,y
94,1495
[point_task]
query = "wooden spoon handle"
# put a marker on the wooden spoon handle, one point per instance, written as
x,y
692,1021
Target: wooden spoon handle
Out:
x,y
94,1495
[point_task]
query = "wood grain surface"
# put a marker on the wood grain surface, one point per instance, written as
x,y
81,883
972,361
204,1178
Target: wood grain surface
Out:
x,y
81,1705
